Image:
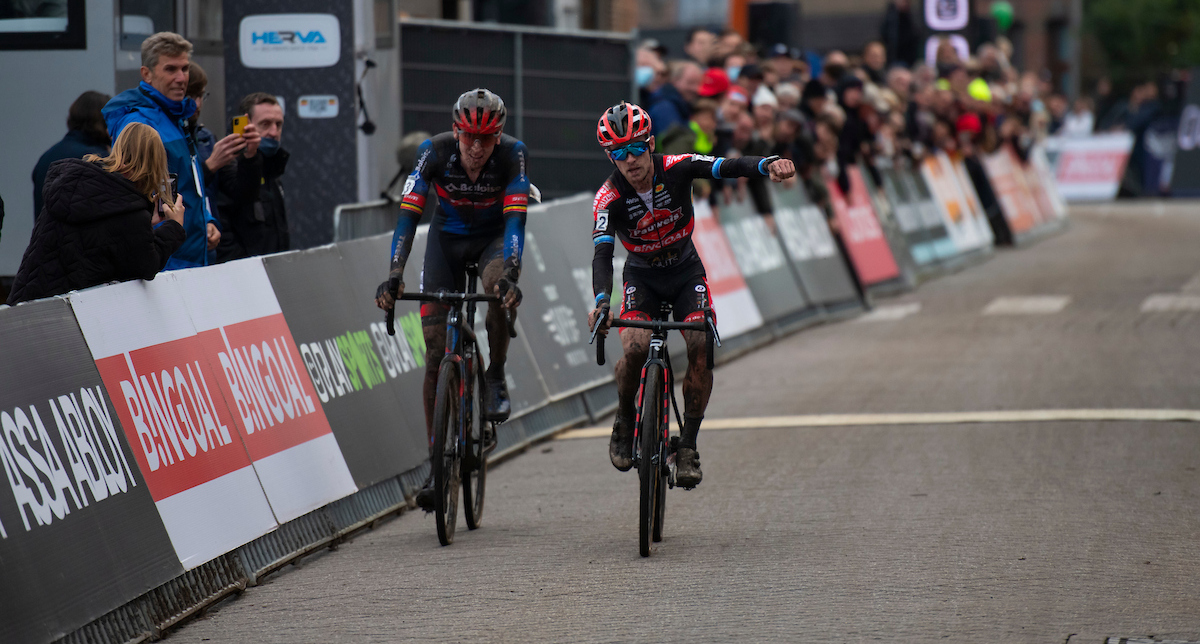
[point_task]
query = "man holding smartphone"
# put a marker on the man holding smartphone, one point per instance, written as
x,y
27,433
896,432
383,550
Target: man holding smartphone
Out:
x,y
250,199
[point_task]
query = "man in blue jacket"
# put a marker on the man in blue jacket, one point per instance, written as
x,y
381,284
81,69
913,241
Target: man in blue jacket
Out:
x,y
671,104
161,102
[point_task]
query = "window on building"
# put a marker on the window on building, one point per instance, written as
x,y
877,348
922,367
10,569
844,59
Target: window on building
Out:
x,y
385,24
43,24
140,19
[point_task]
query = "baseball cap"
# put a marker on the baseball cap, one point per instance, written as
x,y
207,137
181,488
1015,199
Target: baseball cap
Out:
x,y
716,82
780,49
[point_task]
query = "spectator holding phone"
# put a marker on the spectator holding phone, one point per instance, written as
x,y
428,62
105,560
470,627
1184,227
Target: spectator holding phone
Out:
x,y
105,219
161,102
253,214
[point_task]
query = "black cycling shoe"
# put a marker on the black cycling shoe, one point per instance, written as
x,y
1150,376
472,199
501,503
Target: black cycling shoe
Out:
x,y
427,496
496,404
687,468
620,445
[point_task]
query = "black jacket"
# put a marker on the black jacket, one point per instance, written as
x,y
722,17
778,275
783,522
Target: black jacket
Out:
x,y
75,145
250,204
95,228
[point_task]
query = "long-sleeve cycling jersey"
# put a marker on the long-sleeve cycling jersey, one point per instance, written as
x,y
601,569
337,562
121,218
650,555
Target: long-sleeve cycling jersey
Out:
x,y
661,236
492,205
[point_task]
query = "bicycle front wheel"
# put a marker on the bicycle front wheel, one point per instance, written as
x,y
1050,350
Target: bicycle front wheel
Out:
x,y
474,470
446,455
648,462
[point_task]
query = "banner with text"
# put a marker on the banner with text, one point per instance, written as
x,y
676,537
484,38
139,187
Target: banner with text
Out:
x,y
350,363
79,534
736,309
868,248
763,261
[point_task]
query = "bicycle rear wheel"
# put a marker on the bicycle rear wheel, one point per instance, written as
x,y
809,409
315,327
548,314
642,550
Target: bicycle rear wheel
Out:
x,y
648,466
446,460
475,458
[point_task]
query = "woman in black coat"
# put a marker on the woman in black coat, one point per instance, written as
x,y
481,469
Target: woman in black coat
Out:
x,y
99,223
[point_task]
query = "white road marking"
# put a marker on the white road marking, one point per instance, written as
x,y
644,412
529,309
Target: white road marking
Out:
x,y
890,313
1171,302
1030,305
933,418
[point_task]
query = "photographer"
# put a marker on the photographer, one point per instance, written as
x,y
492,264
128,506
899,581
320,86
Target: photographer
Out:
x,y
250,201
105,219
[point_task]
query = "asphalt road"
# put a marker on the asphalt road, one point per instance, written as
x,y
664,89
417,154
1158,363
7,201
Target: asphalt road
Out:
x,y
996,531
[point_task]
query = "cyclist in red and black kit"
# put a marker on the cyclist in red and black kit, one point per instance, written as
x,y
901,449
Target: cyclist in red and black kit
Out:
x,y
647,204
479,175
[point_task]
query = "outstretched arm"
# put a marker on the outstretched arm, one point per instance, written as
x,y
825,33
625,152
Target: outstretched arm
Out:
x,y
697,166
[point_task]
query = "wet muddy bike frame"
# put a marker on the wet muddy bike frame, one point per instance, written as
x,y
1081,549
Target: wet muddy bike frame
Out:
x,y
462,439
653,446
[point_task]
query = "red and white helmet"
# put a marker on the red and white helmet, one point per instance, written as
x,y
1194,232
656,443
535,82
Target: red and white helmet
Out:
x,y
479,111
621,124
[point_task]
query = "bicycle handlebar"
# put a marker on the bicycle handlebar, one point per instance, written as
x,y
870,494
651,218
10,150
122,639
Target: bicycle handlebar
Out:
x,y
707,326
444,297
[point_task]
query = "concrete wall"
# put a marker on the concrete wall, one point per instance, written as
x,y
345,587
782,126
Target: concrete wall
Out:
x,y
39,87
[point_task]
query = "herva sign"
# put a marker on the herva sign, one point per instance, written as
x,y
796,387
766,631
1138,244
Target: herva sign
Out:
x,y
290,40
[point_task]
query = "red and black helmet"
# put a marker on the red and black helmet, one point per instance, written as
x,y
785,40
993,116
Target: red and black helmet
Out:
x,y
479,112
621,124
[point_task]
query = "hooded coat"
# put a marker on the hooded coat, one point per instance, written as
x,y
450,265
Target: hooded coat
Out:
x,y
144,104
95,228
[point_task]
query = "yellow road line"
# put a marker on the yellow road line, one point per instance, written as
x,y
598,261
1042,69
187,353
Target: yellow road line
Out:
x,y
941,418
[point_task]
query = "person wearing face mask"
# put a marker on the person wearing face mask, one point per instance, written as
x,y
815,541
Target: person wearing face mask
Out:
x,y
250,199
651,71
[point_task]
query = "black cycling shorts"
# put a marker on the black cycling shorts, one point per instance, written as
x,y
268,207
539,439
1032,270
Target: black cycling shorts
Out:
x,y
684,287
446,258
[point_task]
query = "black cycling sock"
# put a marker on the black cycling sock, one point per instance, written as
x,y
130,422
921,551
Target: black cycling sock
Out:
x,y
495,371
691,429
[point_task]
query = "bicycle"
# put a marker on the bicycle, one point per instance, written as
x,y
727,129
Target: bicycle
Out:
x,y
653,446
462,439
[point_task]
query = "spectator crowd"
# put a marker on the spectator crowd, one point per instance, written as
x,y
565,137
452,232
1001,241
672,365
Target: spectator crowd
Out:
x,y
881,107
138,185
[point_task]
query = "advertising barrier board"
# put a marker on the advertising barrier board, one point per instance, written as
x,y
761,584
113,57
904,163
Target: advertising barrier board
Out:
x,y
261,373
970,198
736,309
556,280
762,260
170,403
929,213
79,533
366,262
350,366
811,247
939,174
863,236
908,217
1010,191
1090,168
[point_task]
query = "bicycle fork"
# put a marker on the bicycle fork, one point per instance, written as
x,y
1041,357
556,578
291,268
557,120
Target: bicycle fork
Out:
x,y
657,347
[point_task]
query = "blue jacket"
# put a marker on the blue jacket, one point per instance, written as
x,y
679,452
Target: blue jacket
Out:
x,y
667,108
145,104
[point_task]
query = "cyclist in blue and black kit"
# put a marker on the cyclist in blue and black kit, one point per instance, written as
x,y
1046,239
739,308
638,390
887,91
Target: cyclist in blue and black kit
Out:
x,y
479,175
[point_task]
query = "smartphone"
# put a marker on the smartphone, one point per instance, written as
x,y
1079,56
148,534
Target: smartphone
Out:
x,y
174,181
238,124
